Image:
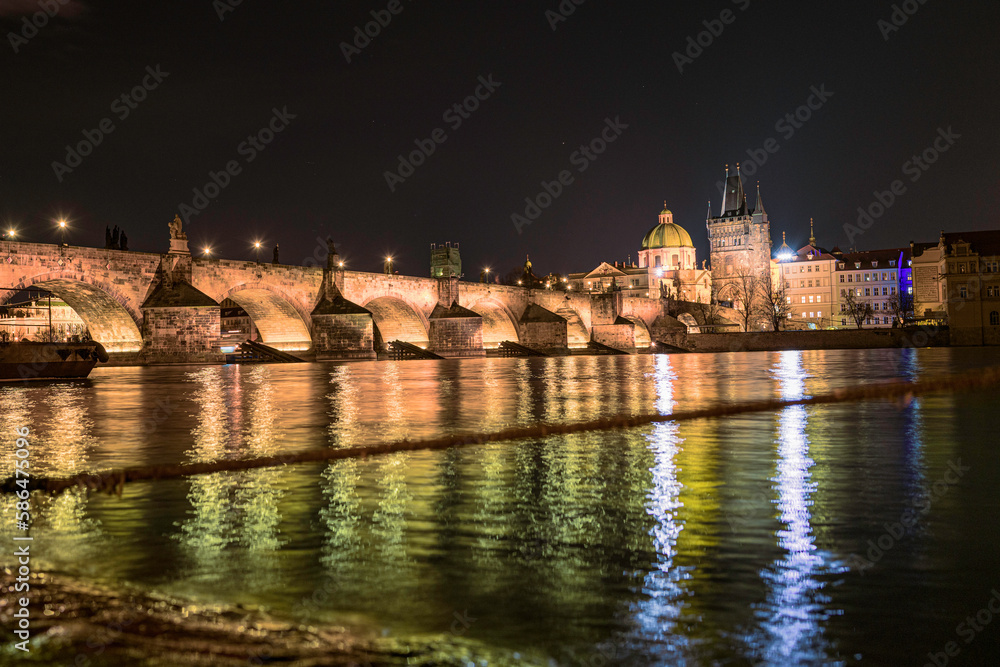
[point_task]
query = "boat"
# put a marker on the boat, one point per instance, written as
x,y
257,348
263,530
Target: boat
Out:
x,y
24,360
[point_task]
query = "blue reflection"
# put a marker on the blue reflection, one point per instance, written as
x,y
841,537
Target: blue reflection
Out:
x,y
657,613
791,621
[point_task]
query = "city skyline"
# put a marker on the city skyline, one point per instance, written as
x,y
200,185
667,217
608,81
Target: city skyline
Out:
x,y
301,119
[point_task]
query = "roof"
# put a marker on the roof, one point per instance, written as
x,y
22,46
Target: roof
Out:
x,y
669,235
872,259
984,242
179,295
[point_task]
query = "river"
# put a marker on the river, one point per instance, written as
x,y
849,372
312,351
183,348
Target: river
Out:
x,y
770,538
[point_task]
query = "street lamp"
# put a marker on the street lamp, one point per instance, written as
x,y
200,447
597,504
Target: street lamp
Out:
x,y
61,222
256,247
207,251
387,267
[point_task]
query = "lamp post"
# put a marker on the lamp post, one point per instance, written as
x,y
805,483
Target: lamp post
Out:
x,y
387,267
62,231
256,247
206,251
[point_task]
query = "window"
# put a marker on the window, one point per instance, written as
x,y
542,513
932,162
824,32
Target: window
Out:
x,y
850,278
990,291
802,283
892,262
961,267
857,277
803,314
843,322
857,265
963,292
803,299
892,290
868,291
810,299
885,320
885,291
819,313
788,299
788,285
840,265
811,283
809,268
819,299
868,277
841,277
786,270
995,318
656,262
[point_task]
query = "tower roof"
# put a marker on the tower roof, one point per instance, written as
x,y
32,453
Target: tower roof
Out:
x,y
760,203
735,201
666,234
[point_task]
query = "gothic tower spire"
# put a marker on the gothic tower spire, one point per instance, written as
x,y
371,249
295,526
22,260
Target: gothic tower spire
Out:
x,y
812,235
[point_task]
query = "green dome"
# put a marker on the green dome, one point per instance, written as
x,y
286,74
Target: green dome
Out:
x,y
666,235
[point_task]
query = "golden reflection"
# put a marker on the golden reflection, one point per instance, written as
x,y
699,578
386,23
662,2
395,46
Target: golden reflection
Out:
x,y
236,419
60,441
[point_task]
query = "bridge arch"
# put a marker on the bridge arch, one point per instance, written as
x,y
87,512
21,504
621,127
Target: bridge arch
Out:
x,y
499,324
577,334
278,319
395,319
111,319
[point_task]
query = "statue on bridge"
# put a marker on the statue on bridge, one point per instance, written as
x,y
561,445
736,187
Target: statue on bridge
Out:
x,y
275,260
176,231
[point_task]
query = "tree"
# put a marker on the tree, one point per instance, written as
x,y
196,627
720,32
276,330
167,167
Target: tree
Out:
x,y
901,306
743,287
774,294
855,308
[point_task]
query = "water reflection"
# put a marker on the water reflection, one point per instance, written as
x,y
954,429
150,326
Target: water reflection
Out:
x,y
236,416
657,613
791,620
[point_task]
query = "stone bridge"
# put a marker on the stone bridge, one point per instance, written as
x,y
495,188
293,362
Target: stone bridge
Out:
x,y
147,307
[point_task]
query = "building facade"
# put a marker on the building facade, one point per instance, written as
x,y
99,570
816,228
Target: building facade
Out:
x,y
957,281
878,277
668,265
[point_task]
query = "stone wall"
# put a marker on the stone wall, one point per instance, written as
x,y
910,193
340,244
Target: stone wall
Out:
x,y
181,335
618,336
343,336
457,337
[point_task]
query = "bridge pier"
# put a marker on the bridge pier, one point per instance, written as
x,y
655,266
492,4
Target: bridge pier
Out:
x,y
179,323
608,327
341,329
454,331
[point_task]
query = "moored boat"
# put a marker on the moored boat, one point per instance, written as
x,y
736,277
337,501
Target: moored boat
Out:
x,y
25,360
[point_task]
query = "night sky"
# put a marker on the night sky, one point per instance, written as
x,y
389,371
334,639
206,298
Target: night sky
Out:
x,y
324,172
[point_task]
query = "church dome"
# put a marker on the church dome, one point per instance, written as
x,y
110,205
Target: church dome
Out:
x,y
666,235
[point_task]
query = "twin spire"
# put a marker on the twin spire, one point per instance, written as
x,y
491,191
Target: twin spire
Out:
x,y
735,200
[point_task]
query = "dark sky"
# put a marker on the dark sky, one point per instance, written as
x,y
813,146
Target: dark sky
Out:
x,y
325,172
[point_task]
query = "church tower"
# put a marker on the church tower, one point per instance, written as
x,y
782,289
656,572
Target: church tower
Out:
x,y
738,236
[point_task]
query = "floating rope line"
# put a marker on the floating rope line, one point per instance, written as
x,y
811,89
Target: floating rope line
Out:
x,y
114,481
